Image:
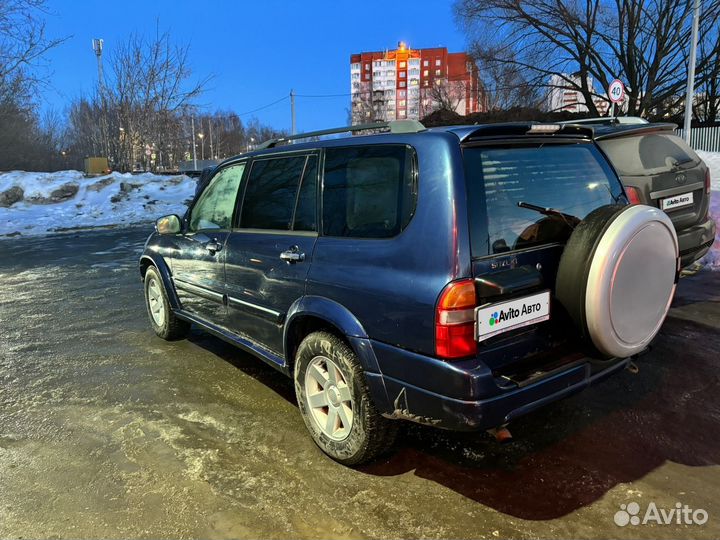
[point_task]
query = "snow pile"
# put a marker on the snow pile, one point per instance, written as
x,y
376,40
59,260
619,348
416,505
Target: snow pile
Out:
x,y
712,259
50,204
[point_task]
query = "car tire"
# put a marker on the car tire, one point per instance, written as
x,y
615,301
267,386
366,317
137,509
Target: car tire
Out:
x,y
617,277
331,393
162,319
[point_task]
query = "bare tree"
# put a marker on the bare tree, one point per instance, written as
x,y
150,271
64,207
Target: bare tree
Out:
x,y
707,106
362,105
504,83
151,87
229,135
23,42
443,95
136,115
642,42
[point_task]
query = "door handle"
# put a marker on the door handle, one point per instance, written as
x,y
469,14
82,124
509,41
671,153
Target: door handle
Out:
x,y
292,255
213,246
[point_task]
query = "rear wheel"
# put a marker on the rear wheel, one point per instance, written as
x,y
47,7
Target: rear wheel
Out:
x,y
162,319
335,402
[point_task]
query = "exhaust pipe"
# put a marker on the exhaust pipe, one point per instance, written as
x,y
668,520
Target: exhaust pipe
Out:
x,y
501,433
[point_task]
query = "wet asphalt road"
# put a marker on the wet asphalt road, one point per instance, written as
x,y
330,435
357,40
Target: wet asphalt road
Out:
x,y
107,431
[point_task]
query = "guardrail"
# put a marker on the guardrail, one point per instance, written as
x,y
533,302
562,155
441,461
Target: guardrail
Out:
x,y
704,138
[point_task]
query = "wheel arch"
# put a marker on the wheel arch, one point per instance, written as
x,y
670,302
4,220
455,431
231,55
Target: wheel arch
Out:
x,y
312,313
315,313
146,261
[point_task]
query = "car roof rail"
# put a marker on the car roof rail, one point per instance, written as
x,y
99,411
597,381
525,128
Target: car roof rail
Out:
x,y
394,126
623,120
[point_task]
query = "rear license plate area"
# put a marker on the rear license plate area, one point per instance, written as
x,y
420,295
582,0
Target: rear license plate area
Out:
x,y
494,319
677,201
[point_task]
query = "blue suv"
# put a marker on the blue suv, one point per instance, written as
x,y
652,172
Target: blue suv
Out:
x,y
458,277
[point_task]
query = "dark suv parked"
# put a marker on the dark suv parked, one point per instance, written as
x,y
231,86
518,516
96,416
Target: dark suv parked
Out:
x,y
458,277
659,169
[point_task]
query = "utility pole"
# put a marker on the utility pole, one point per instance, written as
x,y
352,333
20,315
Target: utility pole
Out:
x,y
192,123
292,111
691,72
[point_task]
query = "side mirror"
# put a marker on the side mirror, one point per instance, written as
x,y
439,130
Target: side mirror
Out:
x,y
168,225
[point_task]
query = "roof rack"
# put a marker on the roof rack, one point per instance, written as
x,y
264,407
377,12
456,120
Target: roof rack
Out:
x,y
633,120
394,126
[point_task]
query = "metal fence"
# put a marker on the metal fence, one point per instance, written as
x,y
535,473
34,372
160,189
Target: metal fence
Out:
x,y
704,138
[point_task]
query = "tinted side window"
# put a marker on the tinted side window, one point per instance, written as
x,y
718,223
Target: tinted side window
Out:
x,y
271,192
215,207
306,211
368,191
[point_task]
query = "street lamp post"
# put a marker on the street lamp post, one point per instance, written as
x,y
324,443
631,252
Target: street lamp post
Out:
x,y
212,153
122,157
689,91
202,145
194,146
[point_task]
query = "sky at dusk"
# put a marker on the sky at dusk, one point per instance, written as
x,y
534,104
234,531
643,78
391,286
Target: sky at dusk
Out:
x,y
255,51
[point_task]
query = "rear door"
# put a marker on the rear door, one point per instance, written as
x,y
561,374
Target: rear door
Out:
x,y
268,254
198,260
516,250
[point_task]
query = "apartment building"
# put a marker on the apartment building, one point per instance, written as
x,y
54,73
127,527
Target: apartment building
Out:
x,y
407,83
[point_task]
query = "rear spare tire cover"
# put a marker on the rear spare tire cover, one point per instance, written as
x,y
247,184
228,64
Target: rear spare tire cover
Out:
x,y
617,277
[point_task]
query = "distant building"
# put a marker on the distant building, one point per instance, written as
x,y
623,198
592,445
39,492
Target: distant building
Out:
x,y
562,95
410,83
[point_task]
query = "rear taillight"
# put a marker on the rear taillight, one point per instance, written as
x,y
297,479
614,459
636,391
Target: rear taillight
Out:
x,y
707,182
633,195
455,321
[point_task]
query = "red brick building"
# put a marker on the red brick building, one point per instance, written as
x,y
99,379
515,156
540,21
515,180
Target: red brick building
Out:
x,y
411,83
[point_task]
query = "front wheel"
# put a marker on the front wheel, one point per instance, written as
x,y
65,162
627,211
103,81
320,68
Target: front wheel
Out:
x,y
335,403
162,319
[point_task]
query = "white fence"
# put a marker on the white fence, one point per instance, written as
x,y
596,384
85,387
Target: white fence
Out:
x,y
704,138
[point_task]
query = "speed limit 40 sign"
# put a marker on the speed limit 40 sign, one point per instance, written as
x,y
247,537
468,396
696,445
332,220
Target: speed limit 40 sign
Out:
x,y
616,91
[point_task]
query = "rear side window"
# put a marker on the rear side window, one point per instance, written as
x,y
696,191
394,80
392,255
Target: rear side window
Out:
x,y
572,178
368,191
648,154
271,192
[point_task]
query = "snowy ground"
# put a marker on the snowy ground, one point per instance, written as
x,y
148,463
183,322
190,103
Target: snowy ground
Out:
x,y
114,199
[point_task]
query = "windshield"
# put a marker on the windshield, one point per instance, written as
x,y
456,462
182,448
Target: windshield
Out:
x,y
646,155
570,179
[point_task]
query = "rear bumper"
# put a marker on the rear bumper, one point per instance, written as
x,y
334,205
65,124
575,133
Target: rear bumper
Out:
x,y
464,396
694,242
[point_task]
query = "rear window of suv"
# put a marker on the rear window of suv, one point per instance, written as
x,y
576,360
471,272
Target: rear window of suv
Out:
x,y
646,155
572,178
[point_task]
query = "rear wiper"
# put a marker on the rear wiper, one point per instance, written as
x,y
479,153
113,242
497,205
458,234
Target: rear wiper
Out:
x,y
677,164
569,219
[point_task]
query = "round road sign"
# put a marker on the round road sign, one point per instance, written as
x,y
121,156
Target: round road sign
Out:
x,y
616,91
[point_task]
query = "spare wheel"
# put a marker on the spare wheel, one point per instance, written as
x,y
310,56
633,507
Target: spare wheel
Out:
x,y
617,277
